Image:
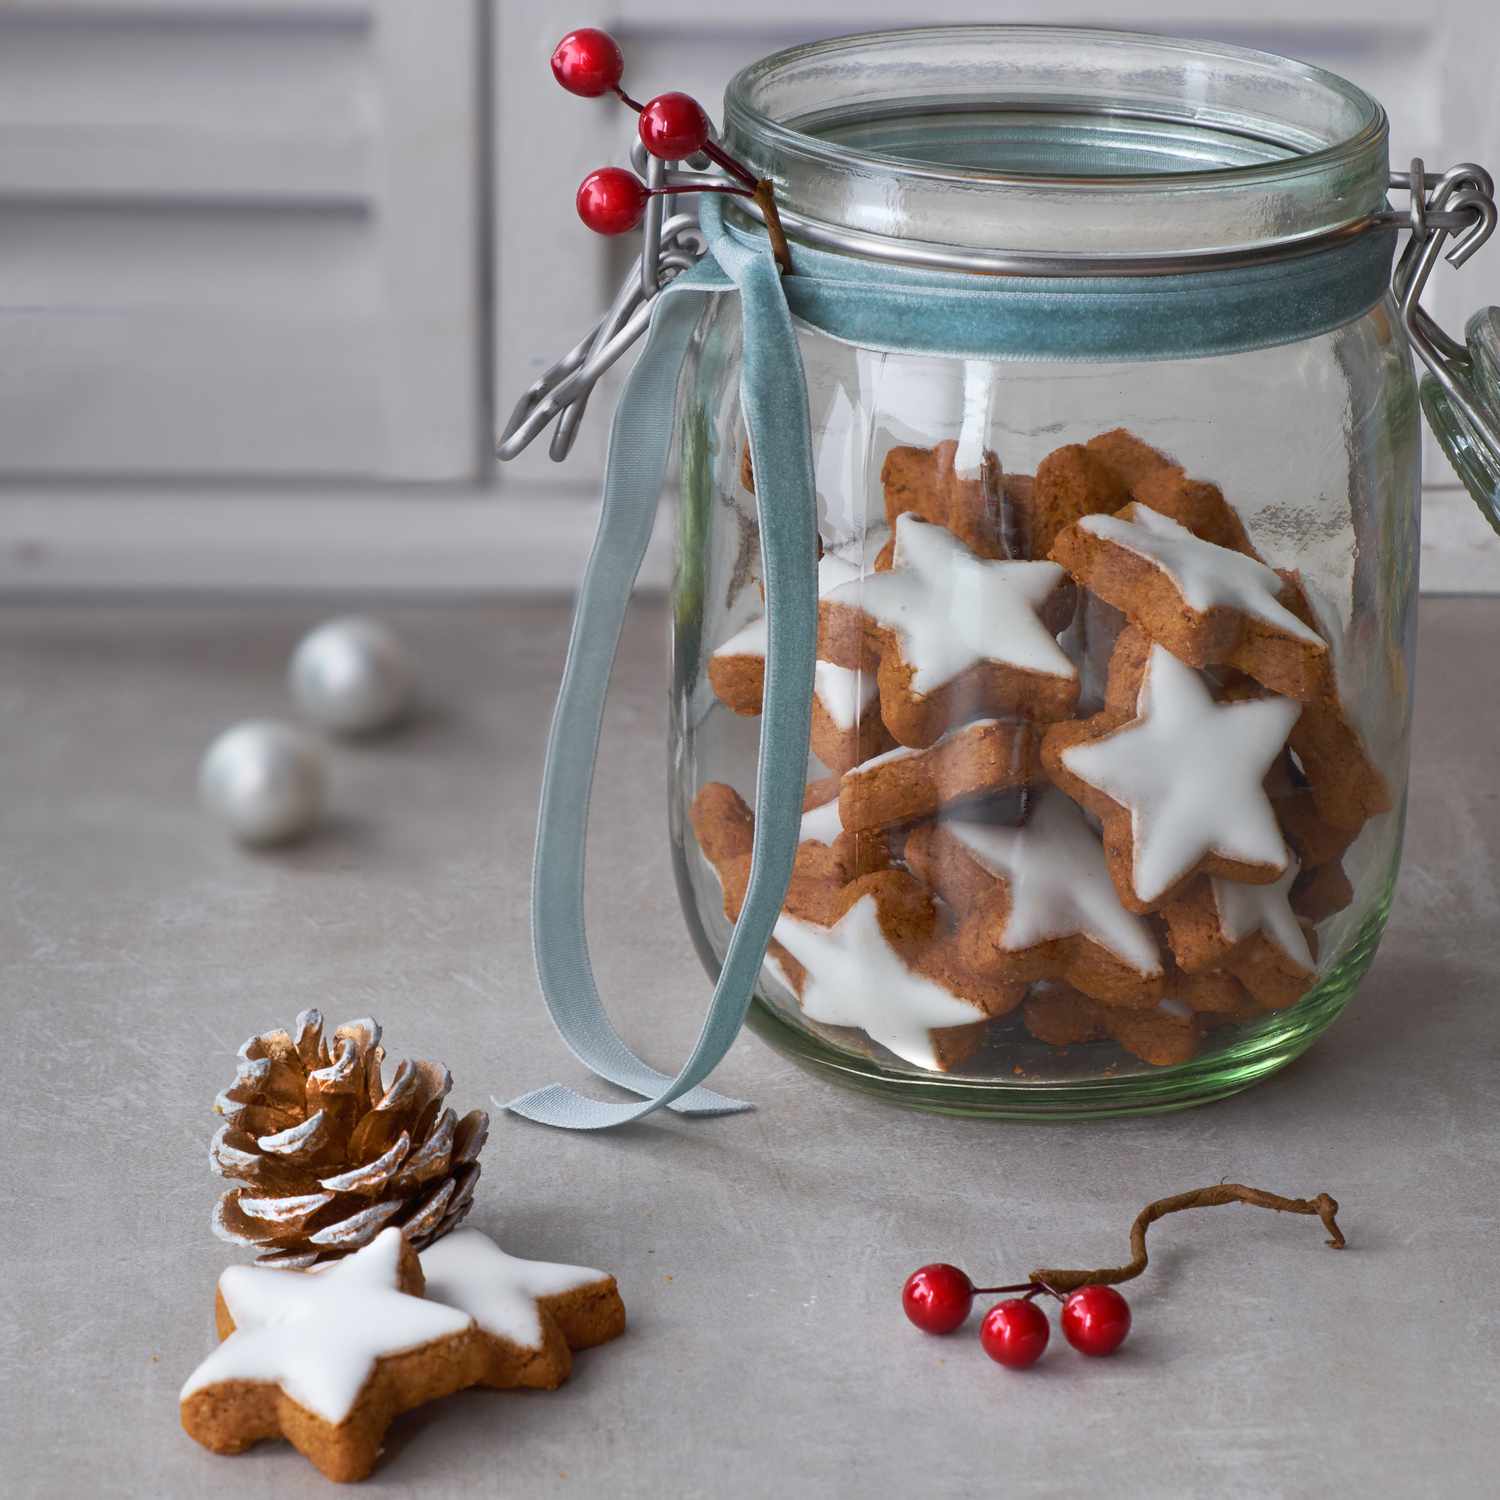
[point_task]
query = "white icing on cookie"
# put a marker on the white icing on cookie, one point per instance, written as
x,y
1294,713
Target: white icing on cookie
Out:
x,y
1206,575
1059,882
844,692
855,978
467,1270
318,1334
952,610
750,641
1245,909
1190,772
822,824
904,752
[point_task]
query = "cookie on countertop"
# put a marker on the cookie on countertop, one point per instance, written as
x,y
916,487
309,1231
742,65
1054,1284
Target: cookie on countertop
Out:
x,y
328,1358
530,1315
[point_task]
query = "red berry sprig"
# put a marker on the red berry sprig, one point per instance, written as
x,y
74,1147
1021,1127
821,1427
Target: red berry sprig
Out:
x,y
672,126
1095,1317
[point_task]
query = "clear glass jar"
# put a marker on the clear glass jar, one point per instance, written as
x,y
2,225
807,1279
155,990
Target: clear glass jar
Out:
x,y
1113,702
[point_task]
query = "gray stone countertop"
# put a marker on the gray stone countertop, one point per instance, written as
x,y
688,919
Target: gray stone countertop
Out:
x,y
760,1256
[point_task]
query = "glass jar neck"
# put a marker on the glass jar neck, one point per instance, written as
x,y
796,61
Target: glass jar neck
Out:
x,y
968,145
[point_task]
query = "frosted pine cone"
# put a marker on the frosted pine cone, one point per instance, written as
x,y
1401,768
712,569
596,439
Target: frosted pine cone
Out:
x,y
328,1155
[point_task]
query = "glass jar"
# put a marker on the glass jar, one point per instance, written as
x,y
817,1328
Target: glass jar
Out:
x,y
1112,707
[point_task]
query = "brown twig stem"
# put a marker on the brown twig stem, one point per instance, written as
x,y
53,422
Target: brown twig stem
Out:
x,y
1324,1207
765,196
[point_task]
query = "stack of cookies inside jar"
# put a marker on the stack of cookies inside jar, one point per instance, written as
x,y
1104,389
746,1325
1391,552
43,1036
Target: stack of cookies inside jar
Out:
x,y
1081,765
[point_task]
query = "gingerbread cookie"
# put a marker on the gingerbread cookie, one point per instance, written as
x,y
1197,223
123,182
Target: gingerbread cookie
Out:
x,y
846,723
327,1358
725,830
1176,781
1037,902
925,483
874,954
1321,892
1128,458
1346,784
530,1316
1249,930
1071,482
1162,1035
952,636
905,785
1207,604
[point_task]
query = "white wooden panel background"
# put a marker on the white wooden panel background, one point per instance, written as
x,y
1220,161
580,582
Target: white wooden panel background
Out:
x,y
268,268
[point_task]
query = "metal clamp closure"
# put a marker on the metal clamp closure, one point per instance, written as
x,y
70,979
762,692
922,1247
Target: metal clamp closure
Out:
x,y
1459,206
671,243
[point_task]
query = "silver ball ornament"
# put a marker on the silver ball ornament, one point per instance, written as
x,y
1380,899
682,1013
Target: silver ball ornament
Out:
x,y
264,781
352,676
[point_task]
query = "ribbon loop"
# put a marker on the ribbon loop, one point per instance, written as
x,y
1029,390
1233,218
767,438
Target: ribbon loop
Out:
x,y
774,400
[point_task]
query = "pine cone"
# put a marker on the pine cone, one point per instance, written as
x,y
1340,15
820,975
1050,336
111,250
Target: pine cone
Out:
x,y
329,1155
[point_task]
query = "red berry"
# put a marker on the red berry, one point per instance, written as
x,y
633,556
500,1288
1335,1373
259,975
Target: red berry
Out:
x,y
937,1298
1014,1333
674,126
588,62
611,200
1095,1320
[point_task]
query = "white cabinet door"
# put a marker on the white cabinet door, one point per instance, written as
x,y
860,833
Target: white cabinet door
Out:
x,y
241,242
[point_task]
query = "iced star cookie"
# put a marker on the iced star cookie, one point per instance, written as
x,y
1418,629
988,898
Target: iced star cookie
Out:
x,y
846,723
874,955
1176,780
1037,902
326,1359
827,854
1249,930
905,785
952,636
530,1316
1207,604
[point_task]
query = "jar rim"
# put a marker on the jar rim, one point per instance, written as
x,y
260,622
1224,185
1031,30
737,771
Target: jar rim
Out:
x,y
1313,143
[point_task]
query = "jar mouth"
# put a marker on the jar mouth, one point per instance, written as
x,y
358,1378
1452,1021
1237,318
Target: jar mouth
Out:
x,y
1058,140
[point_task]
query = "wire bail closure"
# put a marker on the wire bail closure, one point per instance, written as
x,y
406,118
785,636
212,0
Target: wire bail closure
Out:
x,y
671,243
1460,205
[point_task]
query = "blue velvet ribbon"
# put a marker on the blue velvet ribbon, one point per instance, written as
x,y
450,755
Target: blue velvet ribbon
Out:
x,y
882,307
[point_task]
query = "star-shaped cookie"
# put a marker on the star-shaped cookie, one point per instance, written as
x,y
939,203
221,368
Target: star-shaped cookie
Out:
x,y
1037,902
1209,605
1250,930
872,955
531,1315
1178,782
326,1359
953,636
